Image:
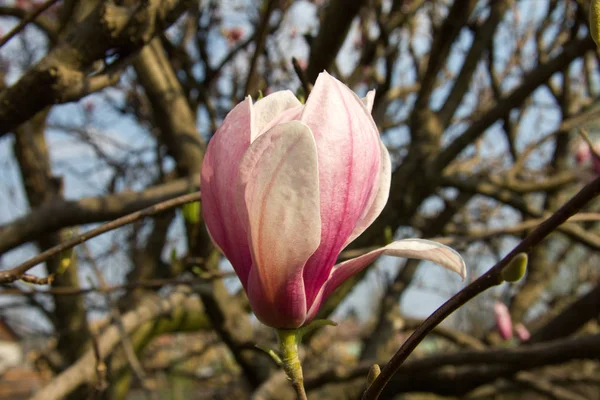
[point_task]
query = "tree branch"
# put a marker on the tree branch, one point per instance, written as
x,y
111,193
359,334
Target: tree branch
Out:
x,y
15,273
59,214
484,282
108,29
180,303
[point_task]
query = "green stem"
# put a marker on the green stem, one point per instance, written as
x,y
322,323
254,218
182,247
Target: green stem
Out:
x,y
288,342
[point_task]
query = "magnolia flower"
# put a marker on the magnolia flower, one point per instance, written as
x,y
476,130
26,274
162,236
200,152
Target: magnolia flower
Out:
x,y
286,186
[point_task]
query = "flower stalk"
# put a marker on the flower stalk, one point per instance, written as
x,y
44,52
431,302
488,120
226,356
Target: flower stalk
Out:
x,y
290,362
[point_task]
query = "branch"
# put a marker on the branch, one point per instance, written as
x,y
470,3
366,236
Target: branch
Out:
x,y
15,273
179,303
481,41
171,109
335,23
109,29
469,369
45,24
487,280
572,318
470,235
146,284
260,36
59,214
516,201
531,81
445,36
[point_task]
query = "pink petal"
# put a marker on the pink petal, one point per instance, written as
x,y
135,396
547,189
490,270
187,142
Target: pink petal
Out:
x,y
419,249
218,177
349,160
583,153
279,183
270,107
503,320
378,198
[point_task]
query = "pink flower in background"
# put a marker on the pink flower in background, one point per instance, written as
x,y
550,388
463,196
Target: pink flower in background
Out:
x,y
503,320
89,106
24,4
522,332
584,155
293,33
286,186
505,326
233,35
302,63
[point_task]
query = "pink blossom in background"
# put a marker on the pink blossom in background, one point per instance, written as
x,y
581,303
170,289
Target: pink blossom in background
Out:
x,y
293,33
89,106
522,332
233,35
302,63
503,320
585,155
24,4
286,187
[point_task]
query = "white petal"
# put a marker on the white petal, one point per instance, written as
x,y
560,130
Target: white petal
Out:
x,y
420,249
378,199
279,187
268,108
369,100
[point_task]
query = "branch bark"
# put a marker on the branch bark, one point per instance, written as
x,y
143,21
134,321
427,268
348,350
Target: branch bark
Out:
x,y
178,311
64,74
60,213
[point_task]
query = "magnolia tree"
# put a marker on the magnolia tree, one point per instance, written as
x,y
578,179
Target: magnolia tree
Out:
x,y
196,195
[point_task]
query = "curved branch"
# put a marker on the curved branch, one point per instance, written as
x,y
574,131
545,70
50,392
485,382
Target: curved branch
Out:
x,y
45,24
60,214
531,81
470,369
17,272
491,278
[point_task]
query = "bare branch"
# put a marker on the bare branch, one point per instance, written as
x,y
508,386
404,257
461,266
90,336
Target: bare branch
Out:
x,y
15,273
59,214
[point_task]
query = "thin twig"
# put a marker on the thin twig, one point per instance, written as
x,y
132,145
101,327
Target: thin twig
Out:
x,y
546,387
146,284
36,280
17,272
491,278
306,84
29,18
481,234
262,31
101,383
115,315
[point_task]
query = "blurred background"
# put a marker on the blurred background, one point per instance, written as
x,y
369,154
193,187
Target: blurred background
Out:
x,y
107,107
